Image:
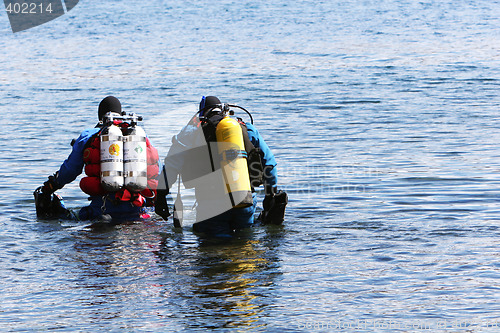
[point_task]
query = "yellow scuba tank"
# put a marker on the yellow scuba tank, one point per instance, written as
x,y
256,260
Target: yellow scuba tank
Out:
x,y
234,166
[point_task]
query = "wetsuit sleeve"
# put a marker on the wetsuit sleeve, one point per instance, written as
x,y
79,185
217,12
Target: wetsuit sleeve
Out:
x,y
72,167
270,170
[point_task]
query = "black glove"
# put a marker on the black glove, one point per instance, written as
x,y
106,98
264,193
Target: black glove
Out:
x,y
270,192
43,202
268,202
51,206
274,205
161,207
51,185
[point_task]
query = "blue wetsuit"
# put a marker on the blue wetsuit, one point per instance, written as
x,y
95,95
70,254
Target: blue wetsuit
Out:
x,y
72,167
221,224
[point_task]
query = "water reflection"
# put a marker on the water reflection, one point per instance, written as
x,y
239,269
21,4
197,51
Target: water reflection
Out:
x,y
225,285
116,272
149,275
96,255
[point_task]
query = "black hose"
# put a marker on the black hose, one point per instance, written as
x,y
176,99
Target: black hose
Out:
x,y
240,107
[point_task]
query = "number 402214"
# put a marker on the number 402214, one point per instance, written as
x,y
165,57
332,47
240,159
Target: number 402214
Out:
x,y
28,8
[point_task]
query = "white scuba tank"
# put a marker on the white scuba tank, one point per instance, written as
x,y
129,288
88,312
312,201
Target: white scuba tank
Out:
x,y
135,164
111,154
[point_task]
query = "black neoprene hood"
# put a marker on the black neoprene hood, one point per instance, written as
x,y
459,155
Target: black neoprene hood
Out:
x,y
109,104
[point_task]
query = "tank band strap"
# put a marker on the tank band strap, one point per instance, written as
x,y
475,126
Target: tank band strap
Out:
x,y
233,154
135,174
111,173
111,138
134,138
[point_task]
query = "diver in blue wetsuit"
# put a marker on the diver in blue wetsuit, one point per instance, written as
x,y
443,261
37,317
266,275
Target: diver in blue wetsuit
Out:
x,y
223,160
120,203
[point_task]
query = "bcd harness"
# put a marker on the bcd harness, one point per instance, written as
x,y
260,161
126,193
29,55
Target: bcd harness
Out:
x,y
229,151
251,153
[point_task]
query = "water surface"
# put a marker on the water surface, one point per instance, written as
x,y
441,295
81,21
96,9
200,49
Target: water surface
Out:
x,y
383,116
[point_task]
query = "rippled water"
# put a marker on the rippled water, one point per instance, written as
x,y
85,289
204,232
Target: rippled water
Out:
x,y
383,116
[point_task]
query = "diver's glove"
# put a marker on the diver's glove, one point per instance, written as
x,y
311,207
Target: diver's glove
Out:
x,y
51,206
161,207
43,202
51,185
274,205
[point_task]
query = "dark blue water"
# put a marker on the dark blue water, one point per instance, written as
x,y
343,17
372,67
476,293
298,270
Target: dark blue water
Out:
x,y
384,118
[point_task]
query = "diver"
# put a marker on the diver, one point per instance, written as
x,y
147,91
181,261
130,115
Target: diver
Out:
x,y
224,160
120,164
